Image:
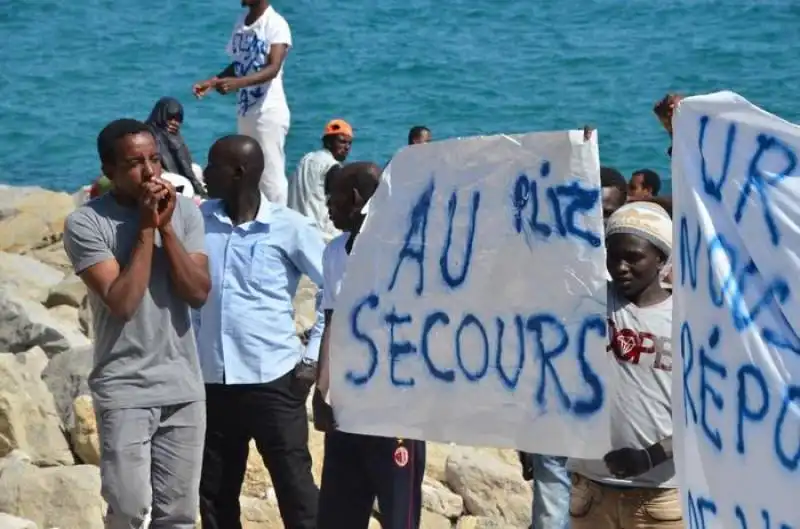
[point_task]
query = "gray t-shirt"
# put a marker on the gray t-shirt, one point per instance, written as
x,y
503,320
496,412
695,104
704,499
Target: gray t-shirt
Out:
x,y
641,341
150,360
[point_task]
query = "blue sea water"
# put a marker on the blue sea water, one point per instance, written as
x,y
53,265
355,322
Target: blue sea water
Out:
x,y
461,67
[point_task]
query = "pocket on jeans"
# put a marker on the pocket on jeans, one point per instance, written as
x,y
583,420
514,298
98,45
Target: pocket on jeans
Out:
x,y
665,506
581,498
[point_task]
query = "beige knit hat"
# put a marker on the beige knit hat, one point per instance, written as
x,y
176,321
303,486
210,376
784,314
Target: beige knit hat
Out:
x,y
644,219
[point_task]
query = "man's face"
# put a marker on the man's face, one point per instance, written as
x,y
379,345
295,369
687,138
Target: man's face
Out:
x,y
633,262
637,189
424,137
136,161
339,145
612,201
219,174
250,3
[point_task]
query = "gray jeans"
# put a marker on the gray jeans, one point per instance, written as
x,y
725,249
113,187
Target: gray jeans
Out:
x,y
150,461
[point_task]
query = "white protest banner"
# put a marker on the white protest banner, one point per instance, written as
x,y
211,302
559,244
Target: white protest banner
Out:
x,y
736,393
473,309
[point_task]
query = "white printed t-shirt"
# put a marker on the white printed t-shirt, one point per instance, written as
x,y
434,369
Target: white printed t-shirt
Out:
x,y
249,48
334,263
641,341
307,190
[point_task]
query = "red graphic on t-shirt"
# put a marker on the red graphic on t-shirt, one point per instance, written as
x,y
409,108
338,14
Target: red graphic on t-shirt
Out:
x,y
629,345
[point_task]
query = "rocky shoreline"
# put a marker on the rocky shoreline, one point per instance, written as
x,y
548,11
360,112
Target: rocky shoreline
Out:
x,y
48,438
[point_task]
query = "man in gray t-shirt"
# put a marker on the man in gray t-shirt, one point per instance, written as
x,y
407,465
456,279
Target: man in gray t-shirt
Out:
x,y
140,251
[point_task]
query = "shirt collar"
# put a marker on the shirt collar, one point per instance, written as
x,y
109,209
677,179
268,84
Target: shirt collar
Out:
x,y
216,209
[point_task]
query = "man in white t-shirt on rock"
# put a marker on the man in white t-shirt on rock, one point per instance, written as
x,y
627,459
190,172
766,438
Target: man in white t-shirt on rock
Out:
x,y
307,193
634,486
258,47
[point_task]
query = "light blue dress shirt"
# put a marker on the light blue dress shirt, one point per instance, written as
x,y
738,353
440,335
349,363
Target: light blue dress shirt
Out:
x,y
245,331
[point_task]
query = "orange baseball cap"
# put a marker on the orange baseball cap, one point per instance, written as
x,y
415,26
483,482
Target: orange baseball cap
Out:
x,y
338,126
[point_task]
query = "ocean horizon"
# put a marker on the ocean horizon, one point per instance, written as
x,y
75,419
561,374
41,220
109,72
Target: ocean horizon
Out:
x,y
461,68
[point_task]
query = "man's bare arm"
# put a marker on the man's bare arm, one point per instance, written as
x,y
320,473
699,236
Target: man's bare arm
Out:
x,y
120,289
323,366
188,272
277,54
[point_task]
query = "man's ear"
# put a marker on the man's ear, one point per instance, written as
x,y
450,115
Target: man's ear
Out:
x,y
106,170
358,201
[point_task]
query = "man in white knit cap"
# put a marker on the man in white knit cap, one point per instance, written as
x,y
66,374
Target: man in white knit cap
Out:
x,y
634,485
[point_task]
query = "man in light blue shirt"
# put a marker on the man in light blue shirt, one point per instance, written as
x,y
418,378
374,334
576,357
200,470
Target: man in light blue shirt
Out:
x,y
257,373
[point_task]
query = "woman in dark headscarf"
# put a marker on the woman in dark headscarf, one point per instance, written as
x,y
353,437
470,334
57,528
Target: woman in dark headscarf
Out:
x,y
165,121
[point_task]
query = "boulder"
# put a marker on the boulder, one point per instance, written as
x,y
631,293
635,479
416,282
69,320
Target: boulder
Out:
x,y
438,499
69,291
31,217
481,522
25,324
432,520
28,418
490,486
28,276
83,434
12,522
53,255
66,376
66,497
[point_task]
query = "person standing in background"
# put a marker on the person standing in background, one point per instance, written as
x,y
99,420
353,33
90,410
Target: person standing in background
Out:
x,y
258,46
165,122
644,184
256,371
140,250
307,188
419,134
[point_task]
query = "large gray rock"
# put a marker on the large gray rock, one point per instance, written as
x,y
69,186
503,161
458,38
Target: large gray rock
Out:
x,y
25,324
65,497
28,276
28,418
490,486
66,376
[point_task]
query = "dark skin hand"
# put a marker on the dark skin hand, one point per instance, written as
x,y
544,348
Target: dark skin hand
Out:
x,y
226,81
188,272
121,289
629,462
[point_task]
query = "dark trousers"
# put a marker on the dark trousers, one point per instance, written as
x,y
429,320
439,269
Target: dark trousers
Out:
x,y
274,414
359,468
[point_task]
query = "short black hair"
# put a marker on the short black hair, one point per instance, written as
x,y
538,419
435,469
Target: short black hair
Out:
x,y
113,132
651,179
364,177
415,132
610,177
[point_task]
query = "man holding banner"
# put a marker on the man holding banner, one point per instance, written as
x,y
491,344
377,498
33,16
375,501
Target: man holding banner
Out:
x,y
634,486
358,468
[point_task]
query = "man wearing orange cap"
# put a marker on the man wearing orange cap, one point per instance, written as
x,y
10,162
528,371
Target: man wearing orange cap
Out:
x,y
307,188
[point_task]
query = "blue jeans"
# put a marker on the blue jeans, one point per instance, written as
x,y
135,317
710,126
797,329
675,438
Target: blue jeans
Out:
x,y
551,487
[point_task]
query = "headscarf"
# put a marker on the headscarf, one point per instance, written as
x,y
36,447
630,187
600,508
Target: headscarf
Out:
x,y
646,220
175,156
